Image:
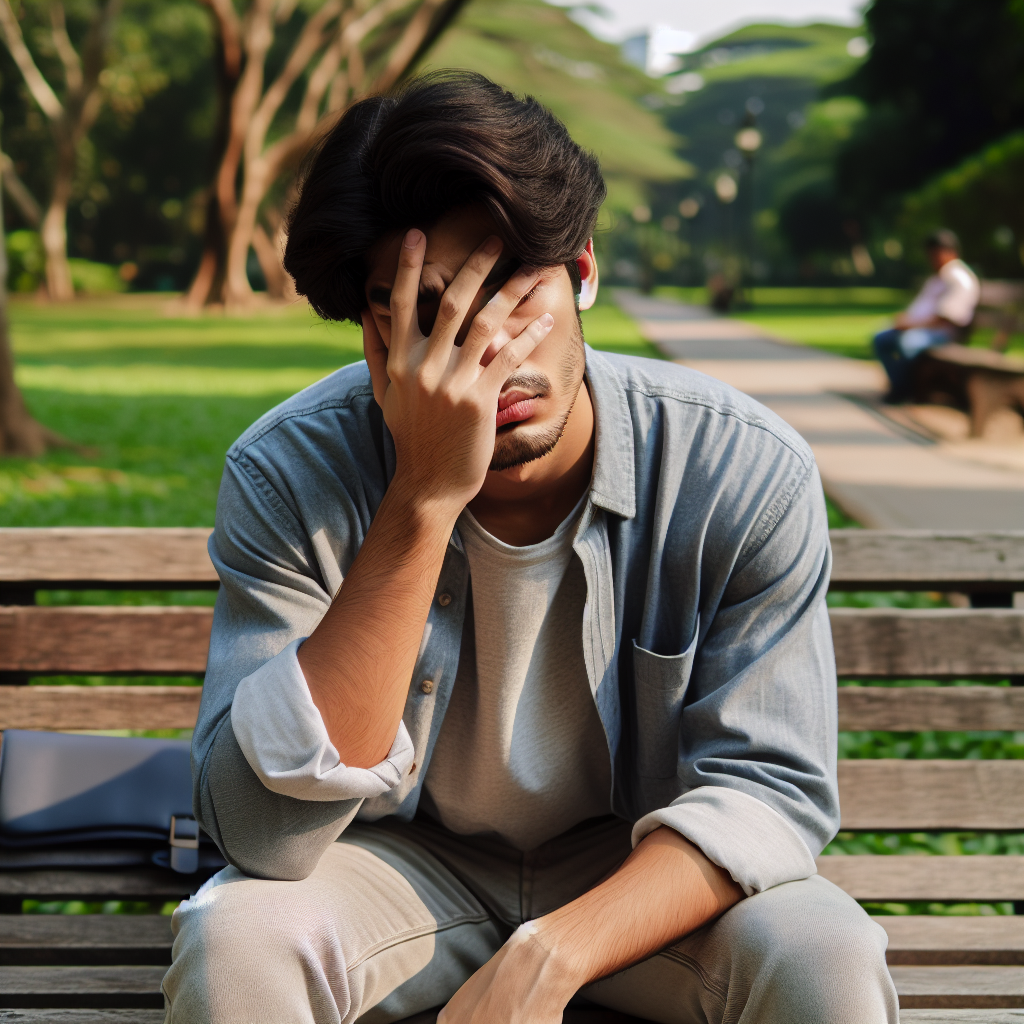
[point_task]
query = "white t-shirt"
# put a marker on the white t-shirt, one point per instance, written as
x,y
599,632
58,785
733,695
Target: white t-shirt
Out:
x,y
522,752
952,293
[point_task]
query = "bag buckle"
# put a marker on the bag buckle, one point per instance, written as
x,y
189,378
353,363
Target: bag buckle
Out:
x,y
184,841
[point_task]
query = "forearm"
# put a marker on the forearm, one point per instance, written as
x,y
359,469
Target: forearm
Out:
x,y
358,661
664,890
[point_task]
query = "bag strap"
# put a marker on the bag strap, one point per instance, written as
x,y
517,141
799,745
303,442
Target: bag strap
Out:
x,y
184,841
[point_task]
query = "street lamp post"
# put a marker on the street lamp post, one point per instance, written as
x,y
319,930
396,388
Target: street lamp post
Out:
x,y
748,141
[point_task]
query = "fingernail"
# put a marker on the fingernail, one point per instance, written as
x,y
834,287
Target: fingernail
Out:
x,y
546,321
413,238
492,245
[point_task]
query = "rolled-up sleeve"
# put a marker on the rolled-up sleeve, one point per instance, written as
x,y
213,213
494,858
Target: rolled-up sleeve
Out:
x,y
283,737
268,786
757,738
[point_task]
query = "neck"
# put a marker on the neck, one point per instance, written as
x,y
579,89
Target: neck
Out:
x,y
525,505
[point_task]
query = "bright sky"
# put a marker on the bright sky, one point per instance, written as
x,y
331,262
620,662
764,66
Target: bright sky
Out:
x,y
702,20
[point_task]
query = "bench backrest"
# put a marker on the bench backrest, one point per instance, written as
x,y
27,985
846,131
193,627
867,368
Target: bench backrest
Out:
x,y
871,643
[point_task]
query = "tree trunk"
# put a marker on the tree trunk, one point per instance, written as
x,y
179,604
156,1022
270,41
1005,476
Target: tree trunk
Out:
x,y
54,231
208,284
20,434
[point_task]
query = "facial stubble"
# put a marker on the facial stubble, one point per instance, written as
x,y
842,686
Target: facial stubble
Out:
x,y
520,446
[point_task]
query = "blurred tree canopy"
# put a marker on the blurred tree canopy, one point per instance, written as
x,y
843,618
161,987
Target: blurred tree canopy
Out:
x,y
141,190
943,79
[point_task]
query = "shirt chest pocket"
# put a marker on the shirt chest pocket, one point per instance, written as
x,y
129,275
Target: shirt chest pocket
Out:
x,y
661,683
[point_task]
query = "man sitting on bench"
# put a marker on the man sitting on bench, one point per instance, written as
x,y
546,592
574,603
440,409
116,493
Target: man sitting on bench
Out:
x,y
942,310
521,687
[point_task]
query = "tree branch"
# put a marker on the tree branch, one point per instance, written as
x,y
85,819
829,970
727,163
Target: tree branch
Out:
x,y
65,50
230,30
310,40
37,84
23,199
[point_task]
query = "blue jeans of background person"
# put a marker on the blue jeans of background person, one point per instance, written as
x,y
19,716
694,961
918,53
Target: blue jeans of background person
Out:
x,y
897,350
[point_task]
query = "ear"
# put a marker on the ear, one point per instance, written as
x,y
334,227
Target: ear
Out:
x,y
588,276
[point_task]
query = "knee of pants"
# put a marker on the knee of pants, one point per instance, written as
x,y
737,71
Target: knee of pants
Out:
x,y
248,923
807,925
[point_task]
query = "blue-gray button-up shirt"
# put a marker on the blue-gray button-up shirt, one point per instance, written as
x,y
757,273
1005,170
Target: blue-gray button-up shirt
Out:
x,y
706,639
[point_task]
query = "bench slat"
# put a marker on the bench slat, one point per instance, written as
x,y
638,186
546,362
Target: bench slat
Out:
x,y
175,640
94,1016
120,987
920,708
977,987
85,939
923,643
141,556
927,560
99,707
925,939
899,878
862,559
95,640
67,884
959,1016
887,794
902,709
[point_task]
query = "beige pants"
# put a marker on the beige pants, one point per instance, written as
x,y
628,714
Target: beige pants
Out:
x,y
397,916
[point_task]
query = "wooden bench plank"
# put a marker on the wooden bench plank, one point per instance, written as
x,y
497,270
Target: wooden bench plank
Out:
x,y
919,708
115,987
150,558
96,886
85,939
963,561
95,640
902,709
921,939
900,878
960,1016
99,707
79,1016
916,643
868,641
976,987
888,794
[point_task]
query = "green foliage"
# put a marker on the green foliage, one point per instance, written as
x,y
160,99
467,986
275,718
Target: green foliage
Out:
x,y
944,78
981,201
91,278
137,194
26,261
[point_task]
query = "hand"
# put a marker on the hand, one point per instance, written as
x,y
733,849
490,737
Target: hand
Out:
x,y
521,984
440,399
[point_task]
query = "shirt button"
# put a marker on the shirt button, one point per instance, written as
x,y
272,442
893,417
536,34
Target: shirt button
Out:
x,y
413,768
444,600
427,685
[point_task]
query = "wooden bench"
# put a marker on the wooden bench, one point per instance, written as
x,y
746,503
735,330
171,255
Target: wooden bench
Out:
x,y
979,381
87,969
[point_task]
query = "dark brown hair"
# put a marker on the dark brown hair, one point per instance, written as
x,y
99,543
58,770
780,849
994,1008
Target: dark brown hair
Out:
x,y
444,141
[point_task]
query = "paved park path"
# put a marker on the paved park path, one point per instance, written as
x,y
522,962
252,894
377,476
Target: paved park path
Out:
x,y
909,468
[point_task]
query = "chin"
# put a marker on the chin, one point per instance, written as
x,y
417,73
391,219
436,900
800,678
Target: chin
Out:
x,y
525,443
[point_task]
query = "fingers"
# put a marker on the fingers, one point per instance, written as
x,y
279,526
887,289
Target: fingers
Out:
x,y
376,354
488,323
460,294
405,293
516,351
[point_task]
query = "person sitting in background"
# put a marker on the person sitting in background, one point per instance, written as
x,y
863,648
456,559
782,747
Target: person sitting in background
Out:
x,y
939,314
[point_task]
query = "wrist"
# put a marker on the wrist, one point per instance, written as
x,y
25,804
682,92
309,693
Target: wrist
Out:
x,y
538,950
420,507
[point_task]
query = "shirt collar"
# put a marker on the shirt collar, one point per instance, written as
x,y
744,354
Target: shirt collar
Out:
x,y
613,486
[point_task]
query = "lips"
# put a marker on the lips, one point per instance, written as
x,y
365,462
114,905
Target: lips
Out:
x,y
513,407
